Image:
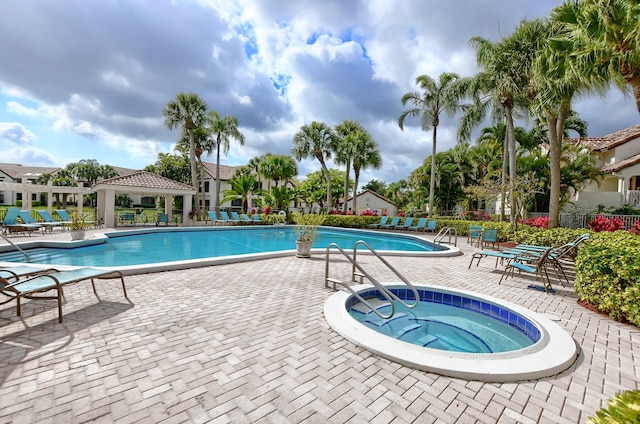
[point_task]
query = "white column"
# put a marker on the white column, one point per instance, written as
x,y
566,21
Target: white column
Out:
x,y
186,207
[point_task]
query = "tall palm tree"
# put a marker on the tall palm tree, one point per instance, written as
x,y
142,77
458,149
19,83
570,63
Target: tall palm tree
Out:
x,y
221,130
316,140
278,167
437,97
187,110
242,185
203,144
604,38
366,154
345,150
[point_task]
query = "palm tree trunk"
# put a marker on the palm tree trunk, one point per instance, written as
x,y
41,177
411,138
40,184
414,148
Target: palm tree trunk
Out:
x,y
327,178
192,163
432,183
203,202
346,187
556,130
356,173
511,137
505,167
218,176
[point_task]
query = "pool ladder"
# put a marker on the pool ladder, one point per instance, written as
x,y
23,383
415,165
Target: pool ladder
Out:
x,y
15,245
358,273
446,231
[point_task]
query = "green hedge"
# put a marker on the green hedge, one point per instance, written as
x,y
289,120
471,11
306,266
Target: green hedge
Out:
x,y
608,274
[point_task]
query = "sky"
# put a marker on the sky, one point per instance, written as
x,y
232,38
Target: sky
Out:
x,y
88,79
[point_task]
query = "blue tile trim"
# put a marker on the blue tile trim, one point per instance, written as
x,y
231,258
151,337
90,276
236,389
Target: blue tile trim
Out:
x,y
492,310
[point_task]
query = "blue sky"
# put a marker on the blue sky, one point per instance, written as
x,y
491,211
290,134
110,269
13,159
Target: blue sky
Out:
x,y
89,79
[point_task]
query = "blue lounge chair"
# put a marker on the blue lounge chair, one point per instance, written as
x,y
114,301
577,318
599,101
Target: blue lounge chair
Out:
x,y
11,224
64,216
422,223
163,218
392,224
19,271
256,218
236,218
213,218
27,218
30,288
532,265
431,226
225,219
407,223
383,221
245,219
46,217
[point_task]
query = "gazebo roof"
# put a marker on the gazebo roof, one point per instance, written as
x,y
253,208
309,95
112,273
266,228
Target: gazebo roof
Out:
x,y
143,182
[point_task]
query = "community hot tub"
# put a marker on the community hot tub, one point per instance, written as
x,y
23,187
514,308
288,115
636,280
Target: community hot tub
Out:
x,y
551,349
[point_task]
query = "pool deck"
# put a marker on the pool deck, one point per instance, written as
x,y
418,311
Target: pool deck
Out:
x,y
248,342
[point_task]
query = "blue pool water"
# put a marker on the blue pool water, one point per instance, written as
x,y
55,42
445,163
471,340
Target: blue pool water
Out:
x,y
448,322
173,245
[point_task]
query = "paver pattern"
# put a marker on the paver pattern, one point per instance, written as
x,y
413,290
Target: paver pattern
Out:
x,y
248,343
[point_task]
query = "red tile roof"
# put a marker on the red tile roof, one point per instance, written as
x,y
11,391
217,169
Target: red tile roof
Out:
x,y
615,167
610,141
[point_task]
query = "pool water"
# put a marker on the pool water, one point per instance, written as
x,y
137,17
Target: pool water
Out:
x,y
121,249
447,326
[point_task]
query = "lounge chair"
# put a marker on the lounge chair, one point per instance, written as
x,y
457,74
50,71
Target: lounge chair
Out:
x,y
64,216
245,219
46,217
383,221
212,218
30,288
19,271
256,219
407,223
224,218
431,226
12,225
392,224
236,218
27,218
420,225
536,265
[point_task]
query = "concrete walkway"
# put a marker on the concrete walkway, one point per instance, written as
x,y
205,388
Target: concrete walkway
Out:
x,y
248,342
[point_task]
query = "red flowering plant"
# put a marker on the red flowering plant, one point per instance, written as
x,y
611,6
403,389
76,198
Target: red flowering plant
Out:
x,y
400,213
602,223
540,222
368,212
266,210
636,228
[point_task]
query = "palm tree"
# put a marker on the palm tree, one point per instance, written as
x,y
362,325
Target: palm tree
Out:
x,y
437,97
603,38
316,140
345,151
278,167
242,185
187,111
203,144
221,130
366,154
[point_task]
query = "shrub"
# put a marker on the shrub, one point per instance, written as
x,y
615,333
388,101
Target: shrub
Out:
x,y
539,222
608,274
602,223
266,210
368,212
622,408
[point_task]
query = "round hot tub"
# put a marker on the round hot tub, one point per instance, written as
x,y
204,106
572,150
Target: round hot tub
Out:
x,y
455,333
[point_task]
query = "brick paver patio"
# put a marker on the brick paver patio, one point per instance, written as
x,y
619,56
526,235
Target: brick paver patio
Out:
x,y
248,343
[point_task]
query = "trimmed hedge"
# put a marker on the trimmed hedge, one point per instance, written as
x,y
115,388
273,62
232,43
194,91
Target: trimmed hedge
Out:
x,y
608,274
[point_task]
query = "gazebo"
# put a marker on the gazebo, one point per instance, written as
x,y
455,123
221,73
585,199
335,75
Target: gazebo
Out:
x,y
141,182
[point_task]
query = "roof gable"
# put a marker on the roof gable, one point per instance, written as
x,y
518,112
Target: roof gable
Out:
x,y
146,180
610,141
373,193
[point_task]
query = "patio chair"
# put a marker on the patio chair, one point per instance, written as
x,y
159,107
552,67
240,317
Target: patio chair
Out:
x,y
475,235
212,218
407,223
19,271
490,236
420,225
225,219
536,265
256,219
27,218
46,217
383,221
163,218
30,288
394,221
64,215
11,224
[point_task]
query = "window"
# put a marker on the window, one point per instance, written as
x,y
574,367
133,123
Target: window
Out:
x,y
206,186
236,203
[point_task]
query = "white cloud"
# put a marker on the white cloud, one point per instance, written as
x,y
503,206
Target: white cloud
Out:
x,y
16,133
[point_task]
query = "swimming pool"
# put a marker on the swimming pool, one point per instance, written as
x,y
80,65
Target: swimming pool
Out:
x,y
551,349
150,250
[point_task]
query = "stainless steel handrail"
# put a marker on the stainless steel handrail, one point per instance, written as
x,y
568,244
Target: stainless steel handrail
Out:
x,y
16,246
446,231
386,293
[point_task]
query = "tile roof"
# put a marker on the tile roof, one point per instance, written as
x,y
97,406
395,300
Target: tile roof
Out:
x,y
226,172
367,191
608,142
144,179
15,170
615,167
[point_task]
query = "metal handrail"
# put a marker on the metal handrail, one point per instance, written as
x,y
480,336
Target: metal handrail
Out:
x,y
386,293
446,231
16,246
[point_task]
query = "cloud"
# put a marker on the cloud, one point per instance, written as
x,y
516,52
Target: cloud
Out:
x,y
16,133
